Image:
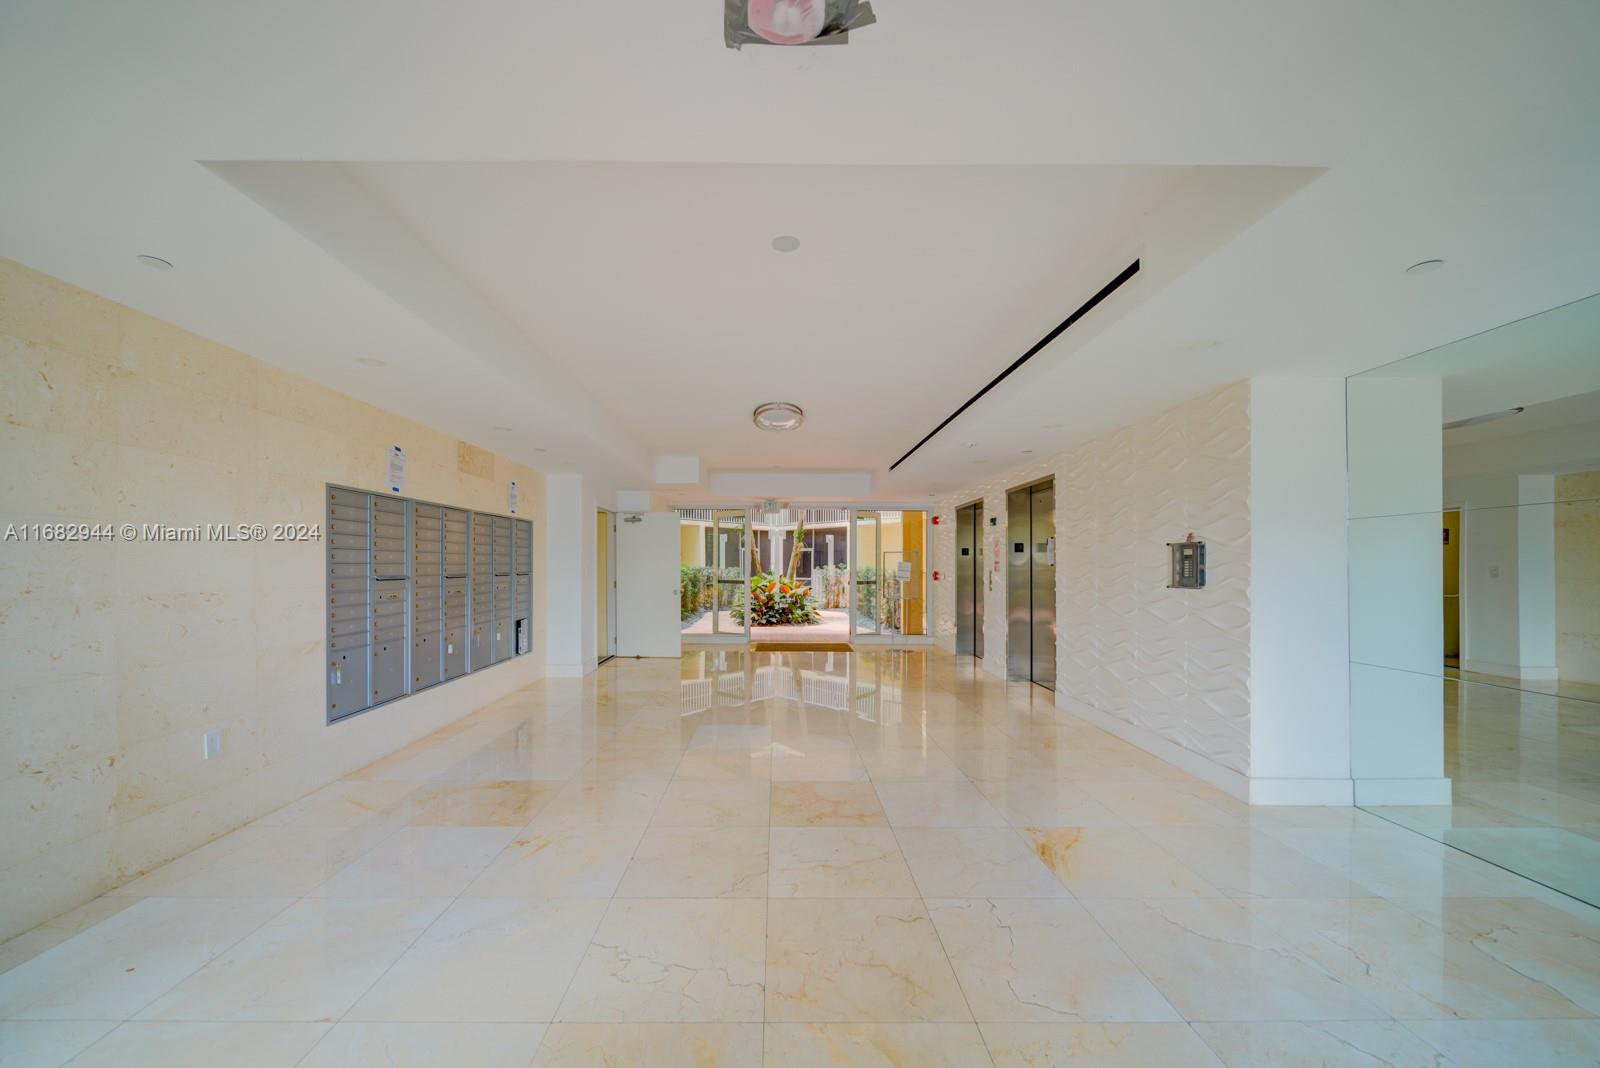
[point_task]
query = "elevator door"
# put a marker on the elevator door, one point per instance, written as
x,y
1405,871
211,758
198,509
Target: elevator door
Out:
x,y
969,580
1031,584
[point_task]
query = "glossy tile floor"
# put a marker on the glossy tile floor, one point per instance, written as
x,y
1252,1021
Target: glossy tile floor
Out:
x,y
1524,765
804,859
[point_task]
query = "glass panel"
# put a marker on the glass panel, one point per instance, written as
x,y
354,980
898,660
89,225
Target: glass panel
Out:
x,y
730,540
1474,563
697,572
867,559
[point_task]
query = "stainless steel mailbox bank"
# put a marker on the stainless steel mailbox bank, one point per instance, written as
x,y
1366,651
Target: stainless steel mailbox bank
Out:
x,y
419,594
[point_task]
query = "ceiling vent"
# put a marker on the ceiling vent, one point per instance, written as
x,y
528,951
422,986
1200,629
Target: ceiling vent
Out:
x,y
793,22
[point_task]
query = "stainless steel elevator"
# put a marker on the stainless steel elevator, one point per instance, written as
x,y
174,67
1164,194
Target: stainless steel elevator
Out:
x,y
969,580
1031,583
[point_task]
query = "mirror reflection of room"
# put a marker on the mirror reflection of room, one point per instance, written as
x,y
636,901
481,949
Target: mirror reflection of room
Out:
x,y
1517,545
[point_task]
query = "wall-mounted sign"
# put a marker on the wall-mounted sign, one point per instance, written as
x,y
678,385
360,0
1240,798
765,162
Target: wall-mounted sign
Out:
x,y
397,470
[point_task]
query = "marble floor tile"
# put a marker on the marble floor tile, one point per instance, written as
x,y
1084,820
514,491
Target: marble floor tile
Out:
x,y
698,862
937,804
826,804
690,803
285,861
1042,960
118,966
827,764
487,959
563,861
1148,804
311,962
667,959
975,862
419,862
838,862
1502,1043
1047,802
1392,862
1242,862
47,1043
875,1045
508,803
631,802
1357,1043
1407,966
348,803
1096,1045
30,944
203,1045
659,1045
1217,959
1559,947
890,763
1114,862
426,1045
719,764
877,961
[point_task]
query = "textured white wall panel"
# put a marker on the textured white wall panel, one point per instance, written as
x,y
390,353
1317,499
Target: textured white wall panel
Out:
x,y
1174,662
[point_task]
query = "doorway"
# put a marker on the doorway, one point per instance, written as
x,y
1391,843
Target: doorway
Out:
x,y
1031,583
1452,588
605,593
969,580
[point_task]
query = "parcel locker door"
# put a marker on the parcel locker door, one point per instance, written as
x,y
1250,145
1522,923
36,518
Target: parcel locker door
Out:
x,y
503,634
455,593
482,591
427,596
349,555
522,587
389,599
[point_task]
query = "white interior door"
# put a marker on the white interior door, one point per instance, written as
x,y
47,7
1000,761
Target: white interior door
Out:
x,y
647,585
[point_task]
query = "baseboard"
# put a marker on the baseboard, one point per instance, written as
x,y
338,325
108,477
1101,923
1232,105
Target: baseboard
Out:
x,y
1338,793
1371,792
1510,671
1209,771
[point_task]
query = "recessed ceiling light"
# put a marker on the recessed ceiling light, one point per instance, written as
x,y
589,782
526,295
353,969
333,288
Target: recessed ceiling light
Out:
x,y
1051,426
1026,451
154,261
969,444
371,361
1474,420
1205,345
785,243
503,429
1425,266
778,416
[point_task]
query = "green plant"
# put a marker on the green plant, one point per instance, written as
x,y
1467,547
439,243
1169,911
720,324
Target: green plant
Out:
x,y
775,601
696,589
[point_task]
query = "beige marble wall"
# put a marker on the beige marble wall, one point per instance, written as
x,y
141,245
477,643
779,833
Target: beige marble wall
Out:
x,y
117,656
1169,662
1578,577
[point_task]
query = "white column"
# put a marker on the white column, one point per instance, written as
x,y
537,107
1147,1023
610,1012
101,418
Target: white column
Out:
x,y
1396,591
1299,625
1536,576
569,577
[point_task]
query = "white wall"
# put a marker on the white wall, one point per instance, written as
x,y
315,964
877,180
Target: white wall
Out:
x,y
1299,634
116,657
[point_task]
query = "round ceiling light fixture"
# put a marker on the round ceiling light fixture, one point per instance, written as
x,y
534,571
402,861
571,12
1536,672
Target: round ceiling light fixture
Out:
x,y
1487,417
371,361
778,416
1424,267
785,243
154,261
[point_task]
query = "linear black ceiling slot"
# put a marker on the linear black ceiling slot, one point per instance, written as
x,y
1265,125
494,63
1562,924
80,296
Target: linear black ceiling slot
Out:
x,y
1105,291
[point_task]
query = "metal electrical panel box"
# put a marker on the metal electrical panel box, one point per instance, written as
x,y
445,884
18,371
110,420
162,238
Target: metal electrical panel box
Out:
x,y
427,596
419,593
1188,565
481,650
455,592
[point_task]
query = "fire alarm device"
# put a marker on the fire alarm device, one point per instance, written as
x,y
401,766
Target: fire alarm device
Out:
x,y
935,520
1188,564
936,576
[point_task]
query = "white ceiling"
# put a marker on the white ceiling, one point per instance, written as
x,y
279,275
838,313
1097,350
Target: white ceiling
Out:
x,y
919,159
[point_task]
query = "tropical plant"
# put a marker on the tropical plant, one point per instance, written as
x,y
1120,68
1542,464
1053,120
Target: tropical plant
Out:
x,y
697,587
776,601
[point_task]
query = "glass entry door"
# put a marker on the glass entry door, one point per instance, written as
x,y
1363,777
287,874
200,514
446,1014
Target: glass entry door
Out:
x,y
731,552
866,572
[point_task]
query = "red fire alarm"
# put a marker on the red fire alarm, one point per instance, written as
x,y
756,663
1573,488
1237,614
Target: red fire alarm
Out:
x,y
935,520
936,576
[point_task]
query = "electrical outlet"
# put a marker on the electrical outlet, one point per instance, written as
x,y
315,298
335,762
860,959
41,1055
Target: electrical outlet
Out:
x,y
211,743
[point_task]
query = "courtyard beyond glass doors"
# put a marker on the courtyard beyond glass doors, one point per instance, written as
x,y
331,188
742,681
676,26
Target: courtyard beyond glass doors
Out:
x,y
814,575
